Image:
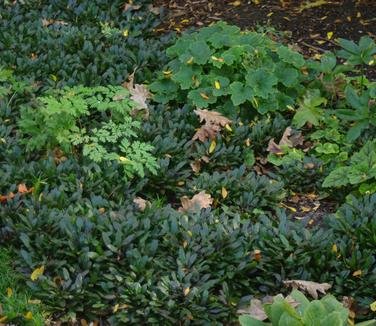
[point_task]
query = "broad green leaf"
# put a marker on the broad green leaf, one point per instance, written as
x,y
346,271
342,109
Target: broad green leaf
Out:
x,y
337,178
333,319
314,313
290,56
261,81
240,93
200,52
250,321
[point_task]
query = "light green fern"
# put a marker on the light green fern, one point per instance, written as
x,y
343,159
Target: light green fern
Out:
x,y
96,120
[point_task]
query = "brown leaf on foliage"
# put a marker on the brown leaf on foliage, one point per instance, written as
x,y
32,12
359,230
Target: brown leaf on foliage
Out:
x,y
212,117
256,310
154,10
130,6
198,201
48,22
207,131
288,139
141,203
196,166
214,121
311,287
139,93
21,189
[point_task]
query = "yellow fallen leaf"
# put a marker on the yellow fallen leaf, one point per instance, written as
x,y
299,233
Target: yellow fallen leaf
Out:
x,y
269,14
189,233
358,15
9,292
167,73
185,244
371,63
29,315
181,183
329,35
185,21
116,308
3,319
204,96
186,291
373,306
224,192
236,3
212,146
334,248
123,159
247,142
35,301
357,273
53,77
190,61
84,322
125,33
217,84
317,56
321,41
227,126
37,273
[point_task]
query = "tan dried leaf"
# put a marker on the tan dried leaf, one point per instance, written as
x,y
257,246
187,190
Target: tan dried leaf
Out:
x,y
206,132
198,201
256,310
196,166
311,287
288,139
139,93
141,203
273,147
212,117
154,10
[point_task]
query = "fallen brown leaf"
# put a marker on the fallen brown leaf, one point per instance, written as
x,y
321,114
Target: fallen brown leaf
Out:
x,y
256,310
139,93
311,287
141,203
212,117
198,201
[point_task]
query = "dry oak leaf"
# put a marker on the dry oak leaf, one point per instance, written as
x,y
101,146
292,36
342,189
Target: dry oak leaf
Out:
x,y
141,203
256,310
139,93
288,139
206,132
311,287
198,201
212,117
214,121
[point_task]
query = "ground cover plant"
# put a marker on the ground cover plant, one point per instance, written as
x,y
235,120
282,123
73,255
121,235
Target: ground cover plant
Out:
x,y
150,178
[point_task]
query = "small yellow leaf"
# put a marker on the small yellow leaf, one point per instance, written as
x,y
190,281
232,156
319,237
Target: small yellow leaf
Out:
x,y
236,3
321,41
247,142
186,291
224,192
329,35
185,21
167,73
116,308
227,126
358,15
317,56
181,183
189,233
36,301
123,159
334,248
84,322
185,244
269,14
214,58
37,273
190,61
53,77
2,319
357,273
212,146
371,63
204,96
217,84
29,315
125,33
373,306
9,292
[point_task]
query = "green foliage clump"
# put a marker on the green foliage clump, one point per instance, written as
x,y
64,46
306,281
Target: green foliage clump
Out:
x,y
15,300
99,119
360,170
297,310
57,45
219,66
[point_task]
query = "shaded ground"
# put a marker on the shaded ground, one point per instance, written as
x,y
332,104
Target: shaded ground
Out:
x,y
313,25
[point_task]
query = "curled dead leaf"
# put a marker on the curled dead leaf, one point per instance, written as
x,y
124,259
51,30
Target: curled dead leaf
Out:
x,y
139,93
312,288
141,203
198,201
